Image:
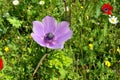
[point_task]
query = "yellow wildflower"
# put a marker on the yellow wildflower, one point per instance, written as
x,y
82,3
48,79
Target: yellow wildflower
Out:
x,y
107,63
81,7
6,49
91,46
118,50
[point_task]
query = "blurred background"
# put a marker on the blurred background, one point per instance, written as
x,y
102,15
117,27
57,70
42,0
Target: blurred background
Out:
x,y
93,53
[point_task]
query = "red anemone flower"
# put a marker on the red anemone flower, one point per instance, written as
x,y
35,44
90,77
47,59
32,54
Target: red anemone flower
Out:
x,y
107,8
1,64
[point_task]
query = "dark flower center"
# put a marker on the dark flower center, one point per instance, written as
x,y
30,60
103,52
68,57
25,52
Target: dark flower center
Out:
x,y
106,9
48,37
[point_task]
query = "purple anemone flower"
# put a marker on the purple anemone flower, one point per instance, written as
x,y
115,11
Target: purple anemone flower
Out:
x,y
50,34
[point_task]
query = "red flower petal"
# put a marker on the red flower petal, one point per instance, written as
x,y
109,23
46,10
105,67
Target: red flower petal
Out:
x,y
107,8
1,64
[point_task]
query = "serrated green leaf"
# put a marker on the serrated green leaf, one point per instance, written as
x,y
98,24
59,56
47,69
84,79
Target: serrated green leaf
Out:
x,y
15,22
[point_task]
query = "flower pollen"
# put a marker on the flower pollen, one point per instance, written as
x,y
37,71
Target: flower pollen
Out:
x,y
113,20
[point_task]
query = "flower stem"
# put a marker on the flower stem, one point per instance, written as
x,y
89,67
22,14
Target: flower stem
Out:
x,y
65,5
40,62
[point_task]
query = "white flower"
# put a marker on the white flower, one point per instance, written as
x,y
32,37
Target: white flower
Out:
x,y
113,20
67,8
6,14
15,2
42,2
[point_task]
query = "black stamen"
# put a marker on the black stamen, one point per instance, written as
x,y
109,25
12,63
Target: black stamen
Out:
x,y
48,37
106,9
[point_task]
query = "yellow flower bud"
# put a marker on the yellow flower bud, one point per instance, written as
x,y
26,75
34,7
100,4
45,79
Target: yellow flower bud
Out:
x,y
6,49
91,46
107,63
118,50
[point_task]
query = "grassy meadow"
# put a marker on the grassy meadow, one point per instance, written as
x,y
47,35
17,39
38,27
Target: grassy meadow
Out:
x,y
93,52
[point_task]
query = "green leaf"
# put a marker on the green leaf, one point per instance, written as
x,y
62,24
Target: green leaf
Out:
x,y
62,73
98,10
15,22
29,50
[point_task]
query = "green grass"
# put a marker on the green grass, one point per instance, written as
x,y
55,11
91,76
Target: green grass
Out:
x,y
77,61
